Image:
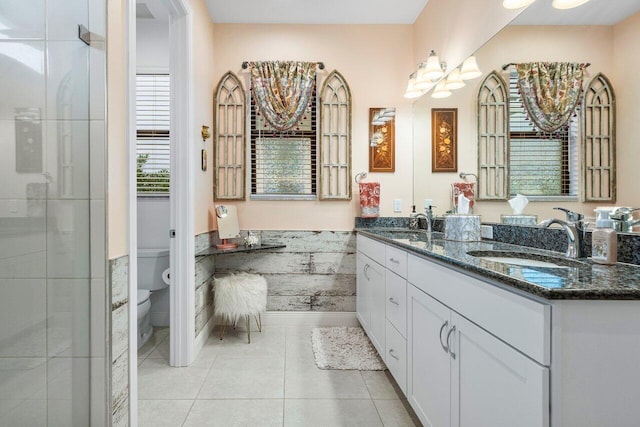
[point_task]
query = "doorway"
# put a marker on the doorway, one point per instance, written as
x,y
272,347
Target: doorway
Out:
x,y
180,231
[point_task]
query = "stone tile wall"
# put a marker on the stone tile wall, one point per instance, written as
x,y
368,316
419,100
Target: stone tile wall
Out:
x,y
316,271
118,279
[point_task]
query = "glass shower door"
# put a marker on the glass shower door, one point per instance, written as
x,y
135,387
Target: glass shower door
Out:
x,y
50,299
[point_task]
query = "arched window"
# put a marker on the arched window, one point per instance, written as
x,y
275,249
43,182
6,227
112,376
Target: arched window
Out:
x,y
229,145
335,139
599,145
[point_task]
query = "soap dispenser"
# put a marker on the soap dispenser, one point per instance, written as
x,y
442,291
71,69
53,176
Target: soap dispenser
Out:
x,y
414,221
604,241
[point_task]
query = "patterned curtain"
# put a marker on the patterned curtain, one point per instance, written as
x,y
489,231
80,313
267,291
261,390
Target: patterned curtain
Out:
x,y
282,90
550,91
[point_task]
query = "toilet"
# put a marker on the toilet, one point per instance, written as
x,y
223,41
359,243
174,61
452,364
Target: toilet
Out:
x,y
153,276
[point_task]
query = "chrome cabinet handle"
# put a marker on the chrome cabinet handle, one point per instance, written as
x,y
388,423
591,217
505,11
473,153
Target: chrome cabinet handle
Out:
x,y
392,301
444,347
395,261
366,267
393,354
453,355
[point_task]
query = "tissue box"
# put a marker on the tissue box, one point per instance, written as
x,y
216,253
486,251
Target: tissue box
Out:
x,y
519,219
463,228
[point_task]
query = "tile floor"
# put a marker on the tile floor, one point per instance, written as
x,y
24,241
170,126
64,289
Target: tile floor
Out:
x,y
271,382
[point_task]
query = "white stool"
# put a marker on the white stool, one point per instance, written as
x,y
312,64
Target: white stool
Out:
x,y
240,295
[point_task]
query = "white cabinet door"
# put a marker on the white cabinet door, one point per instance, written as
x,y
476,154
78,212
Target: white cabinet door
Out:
x,y
494,385
370,299
428,362
363,308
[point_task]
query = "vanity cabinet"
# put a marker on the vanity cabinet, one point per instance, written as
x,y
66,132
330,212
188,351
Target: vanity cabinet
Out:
x,y
381,301
460,375
370,290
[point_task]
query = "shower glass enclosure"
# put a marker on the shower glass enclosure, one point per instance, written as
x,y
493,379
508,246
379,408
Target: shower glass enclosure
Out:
x,y
53,352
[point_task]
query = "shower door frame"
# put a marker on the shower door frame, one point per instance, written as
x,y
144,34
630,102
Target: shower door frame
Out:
x,y
182,258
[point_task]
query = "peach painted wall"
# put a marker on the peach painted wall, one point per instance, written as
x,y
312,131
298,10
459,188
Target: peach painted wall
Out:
x,y
375,60
457,28
627,63
513,44
204,57
116,132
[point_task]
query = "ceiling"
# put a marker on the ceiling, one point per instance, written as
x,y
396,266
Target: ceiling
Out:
x,y
595,12
315,12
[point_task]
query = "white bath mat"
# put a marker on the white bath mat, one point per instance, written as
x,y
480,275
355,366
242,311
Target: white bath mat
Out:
x,y
344,347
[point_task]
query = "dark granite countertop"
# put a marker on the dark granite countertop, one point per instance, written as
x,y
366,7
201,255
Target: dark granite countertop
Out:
x,y
578,279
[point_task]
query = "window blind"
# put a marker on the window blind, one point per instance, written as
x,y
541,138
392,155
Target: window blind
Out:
x,y
540,164
283,164
152,133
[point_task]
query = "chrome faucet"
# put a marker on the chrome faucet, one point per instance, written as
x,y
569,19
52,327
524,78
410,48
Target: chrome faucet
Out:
x,y
623,219
575,232
428,216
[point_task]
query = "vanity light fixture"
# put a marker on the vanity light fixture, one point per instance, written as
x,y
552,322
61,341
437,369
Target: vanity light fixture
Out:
x,y
441,91
469,69
412,91
567,4
516,4
434,69
454,81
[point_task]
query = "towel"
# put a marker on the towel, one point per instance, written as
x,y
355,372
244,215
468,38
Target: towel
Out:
x,y
370,199
465,188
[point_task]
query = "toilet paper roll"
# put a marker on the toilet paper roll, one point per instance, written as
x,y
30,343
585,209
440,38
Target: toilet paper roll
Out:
x,y
166,277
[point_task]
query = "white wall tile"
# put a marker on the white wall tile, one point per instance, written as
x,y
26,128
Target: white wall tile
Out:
x,y
68,391
97,17
22,84
67,81
97,80
97,159
98,318
68,158
98,233
22,378
22,317
22,19
68,238
68,317
63,18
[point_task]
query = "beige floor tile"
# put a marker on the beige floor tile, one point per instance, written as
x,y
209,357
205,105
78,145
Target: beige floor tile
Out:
x,y
163,413
244,378
330,412
381,385
268,343
396,413
298,345
304,380
232,413
158,380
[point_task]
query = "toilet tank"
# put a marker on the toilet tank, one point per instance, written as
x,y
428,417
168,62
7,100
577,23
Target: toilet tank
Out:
x,y
151,264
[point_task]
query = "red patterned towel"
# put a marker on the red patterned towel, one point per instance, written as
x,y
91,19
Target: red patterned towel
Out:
x,y
465,188
370,199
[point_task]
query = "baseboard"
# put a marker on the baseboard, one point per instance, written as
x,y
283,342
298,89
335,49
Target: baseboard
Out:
x,y
310,318
202,337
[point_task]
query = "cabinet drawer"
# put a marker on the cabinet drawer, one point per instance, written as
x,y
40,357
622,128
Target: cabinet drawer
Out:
x,y
396,261
396,301
396,357
372,248
519,321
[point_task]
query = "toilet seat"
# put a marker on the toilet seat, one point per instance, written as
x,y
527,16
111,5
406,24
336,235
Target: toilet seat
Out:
x,y
143,295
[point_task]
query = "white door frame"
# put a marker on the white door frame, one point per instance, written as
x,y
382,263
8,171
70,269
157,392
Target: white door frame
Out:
x,y
182,292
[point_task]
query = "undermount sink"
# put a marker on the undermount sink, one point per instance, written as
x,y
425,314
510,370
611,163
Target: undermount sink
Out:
x,y
525,259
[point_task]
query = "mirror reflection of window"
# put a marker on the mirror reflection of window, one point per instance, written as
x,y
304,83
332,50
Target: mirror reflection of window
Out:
x,y
540,163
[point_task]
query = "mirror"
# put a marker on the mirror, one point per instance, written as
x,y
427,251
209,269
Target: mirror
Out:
x,y
604,34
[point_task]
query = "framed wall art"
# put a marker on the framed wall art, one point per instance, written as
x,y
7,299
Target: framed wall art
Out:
x,y
444,140
382,139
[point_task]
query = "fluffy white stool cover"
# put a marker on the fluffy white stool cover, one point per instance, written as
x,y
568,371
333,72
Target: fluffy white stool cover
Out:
x,y
239,295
